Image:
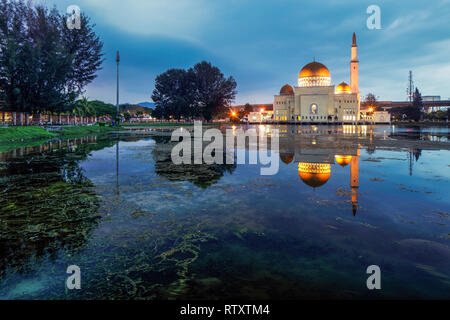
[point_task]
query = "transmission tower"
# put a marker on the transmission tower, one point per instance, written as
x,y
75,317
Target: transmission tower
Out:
x,y
410,89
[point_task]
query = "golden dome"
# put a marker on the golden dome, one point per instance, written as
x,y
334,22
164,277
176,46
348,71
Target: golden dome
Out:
x,y
343,160
286,157
314,69
287,89
343,88
314,174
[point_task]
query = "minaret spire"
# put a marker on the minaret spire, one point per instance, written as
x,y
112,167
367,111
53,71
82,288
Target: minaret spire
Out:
x,y
354,180
354,66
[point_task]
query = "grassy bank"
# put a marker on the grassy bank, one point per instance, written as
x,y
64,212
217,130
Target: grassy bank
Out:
x,y
157,124
17,137
16,134
78,131
14,145
171,124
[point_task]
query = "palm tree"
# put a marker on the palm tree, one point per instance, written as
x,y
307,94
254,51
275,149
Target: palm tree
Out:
x,y
83,108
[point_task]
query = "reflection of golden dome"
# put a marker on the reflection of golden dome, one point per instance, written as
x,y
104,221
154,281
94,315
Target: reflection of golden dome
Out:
x,y
343,88
343,160
314,174
287,89
314,69
286,157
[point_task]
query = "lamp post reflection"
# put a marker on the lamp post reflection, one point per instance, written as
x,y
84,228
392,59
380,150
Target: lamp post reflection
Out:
x,y
354,183
117,168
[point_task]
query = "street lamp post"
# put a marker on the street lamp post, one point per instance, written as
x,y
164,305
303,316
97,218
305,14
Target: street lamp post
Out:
x,y
371,111
117,98
117,120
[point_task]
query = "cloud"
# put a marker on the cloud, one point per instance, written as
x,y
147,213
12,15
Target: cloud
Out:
x,y
264,44
182,19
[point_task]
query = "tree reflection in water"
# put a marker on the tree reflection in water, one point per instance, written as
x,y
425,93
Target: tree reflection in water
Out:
x,y
202,176
47,205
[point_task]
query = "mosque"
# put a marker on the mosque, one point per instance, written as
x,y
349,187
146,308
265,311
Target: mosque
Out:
x,y
316,100
315,164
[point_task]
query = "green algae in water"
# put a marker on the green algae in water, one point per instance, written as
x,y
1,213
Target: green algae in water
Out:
x,y
236,236
42,215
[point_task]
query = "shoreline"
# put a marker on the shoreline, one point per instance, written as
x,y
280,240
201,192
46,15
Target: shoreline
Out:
x,y
421,124
18,137
27,136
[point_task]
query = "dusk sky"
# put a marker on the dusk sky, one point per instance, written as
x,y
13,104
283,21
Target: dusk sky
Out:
x,y
264,44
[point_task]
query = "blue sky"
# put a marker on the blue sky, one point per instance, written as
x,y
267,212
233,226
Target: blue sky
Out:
x,y
264,44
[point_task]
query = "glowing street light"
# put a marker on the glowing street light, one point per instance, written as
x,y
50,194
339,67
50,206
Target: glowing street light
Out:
x,y
372,117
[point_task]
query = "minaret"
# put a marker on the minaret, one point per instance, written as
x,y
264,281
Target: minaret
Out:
x,y
354,64
354,183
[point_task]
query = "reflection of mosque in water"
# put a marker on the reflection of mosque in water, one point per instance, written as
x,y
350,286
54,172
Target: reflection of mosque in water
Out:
x,y
315,163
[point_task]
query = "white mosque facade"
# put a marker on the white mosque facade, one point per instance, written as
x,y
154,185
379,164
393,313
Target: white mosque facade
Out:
x,y
315,100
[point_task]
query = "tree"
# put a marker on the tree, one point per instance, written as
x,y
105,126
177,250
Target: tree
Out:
x,y
248,108
84,49
370,101
213,92
414,111
174,94
201,91
158,113
15,54
102,109
127,116
51,61
85,108
44,66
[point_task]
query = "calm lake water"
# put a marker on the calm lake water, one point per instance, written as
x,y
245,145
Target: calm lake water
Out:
x,y
140,227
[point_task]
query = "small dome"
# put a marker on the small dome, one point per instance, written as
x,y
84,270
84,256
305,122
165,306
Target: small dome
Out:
x,y
343,160
314,69
314,174
287,90
343,88
287,158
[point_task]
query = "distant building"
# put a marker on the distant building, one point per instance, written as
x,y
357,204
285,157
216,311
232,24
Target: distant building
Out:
x,y
381,117
431,98
260,116
315,100
255,107
428,102
375,116
429,109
